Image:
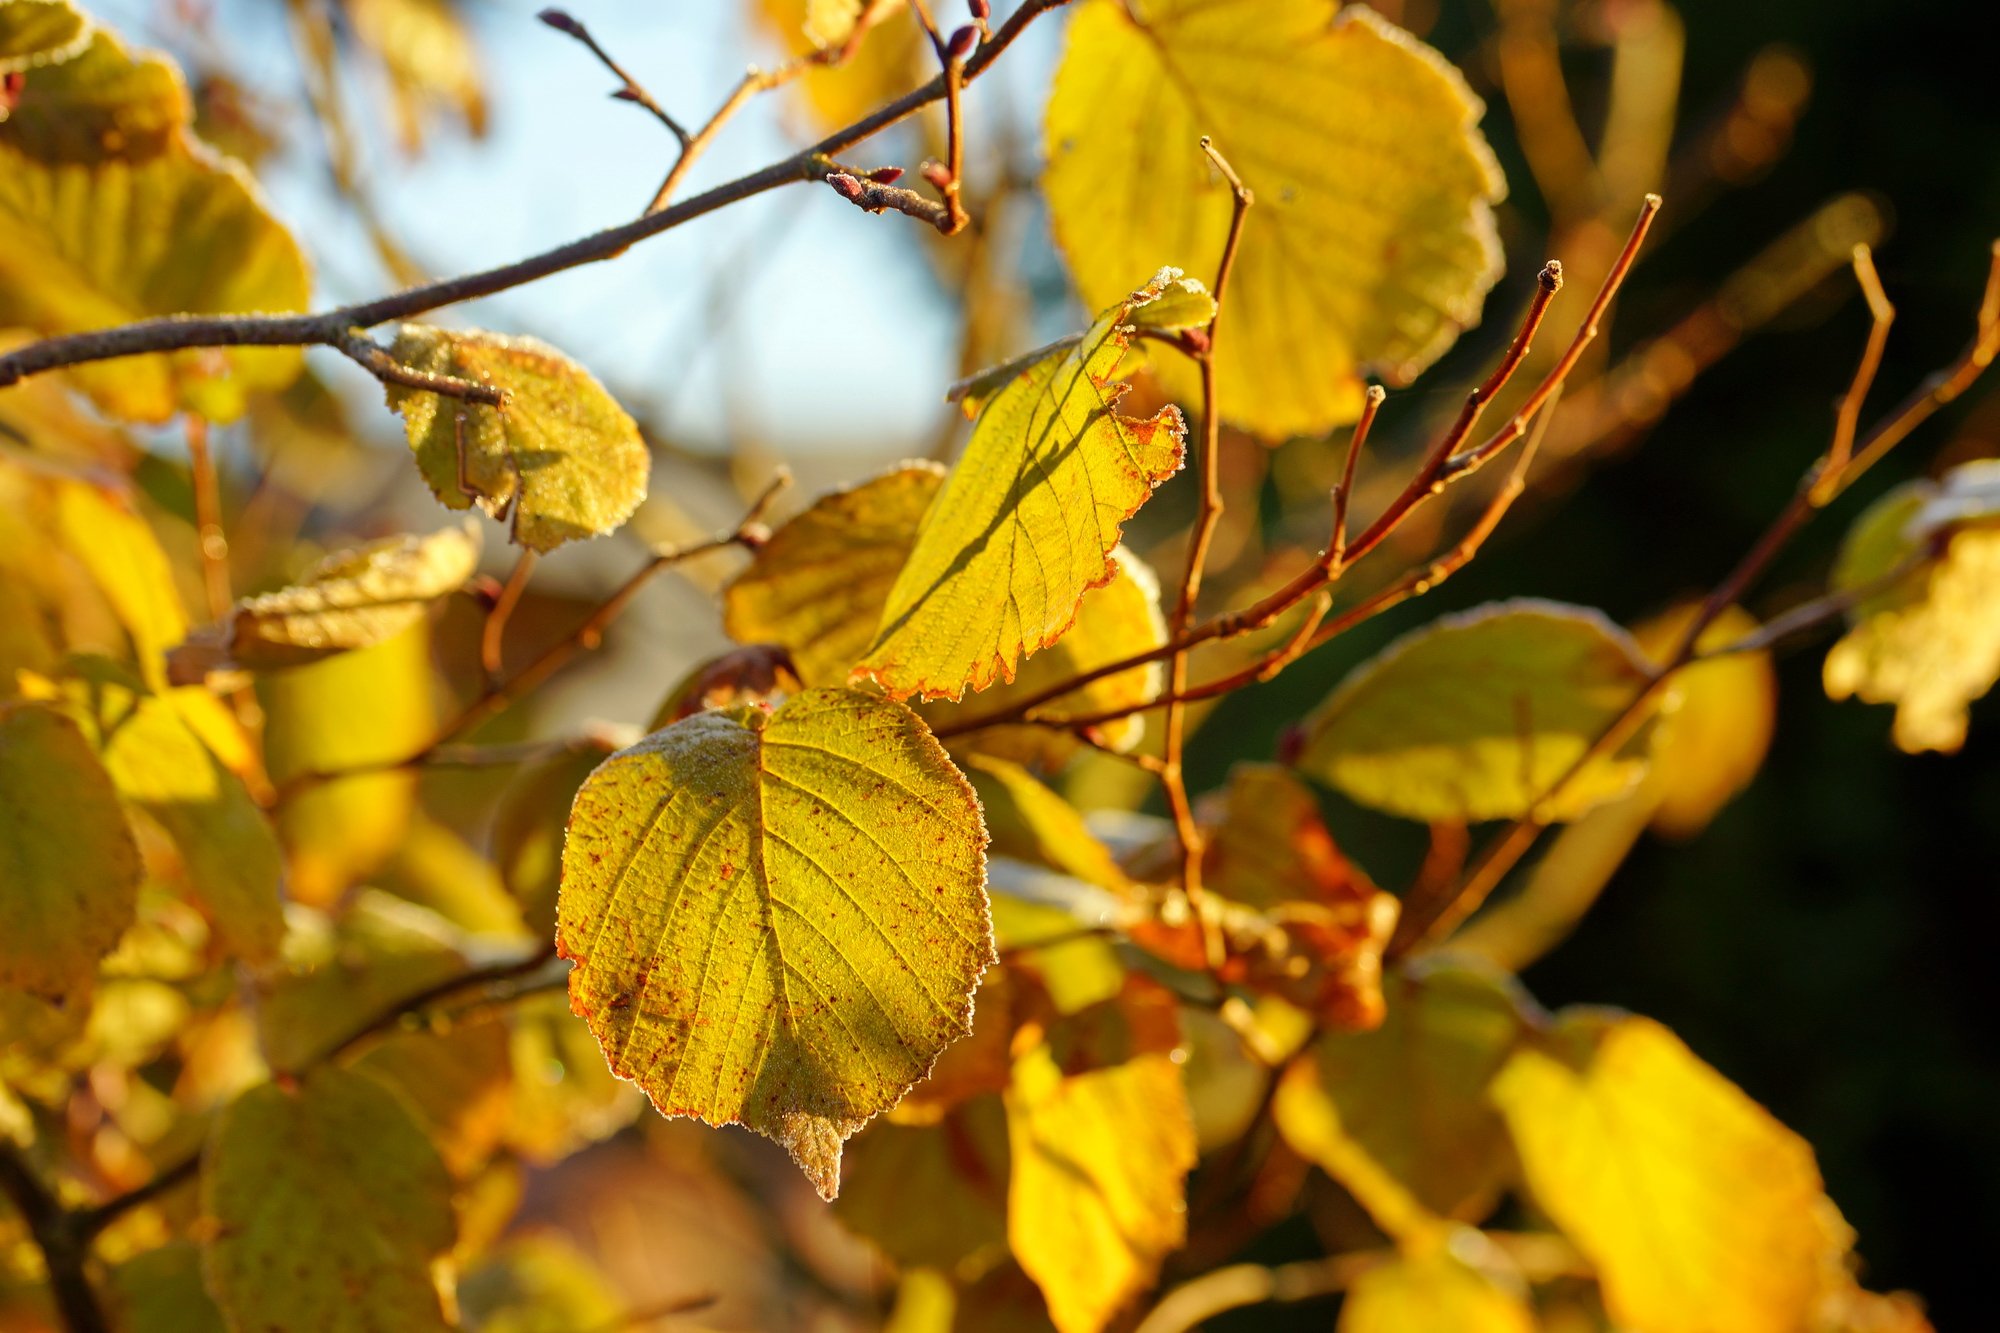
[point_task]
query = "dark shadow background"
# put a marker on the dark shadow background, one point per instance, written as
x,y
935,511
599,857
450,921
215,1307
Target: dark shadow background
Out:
x,y
1827,942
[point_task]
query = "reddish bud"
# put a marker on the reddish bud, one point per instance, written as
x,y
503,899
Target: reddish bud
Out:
x,y
886,175
981,11
846,186
11,84
961,43
624,95
1291,744
1196,341
562,22
936,173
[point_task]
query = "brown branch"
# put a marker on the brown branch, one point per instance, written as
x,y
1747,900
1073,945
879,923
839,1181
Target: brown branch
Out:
x,y
493,633
1847,418
372,357
1343,490
630,89
210,539
64,1246
872,197
175,332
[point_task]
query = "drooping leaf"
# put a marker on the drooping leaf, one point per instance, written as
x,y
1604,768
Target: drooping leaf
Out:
x,y
1114,621
111,211
360,711
1028,518
1432,1291
1478,715
778,919
560,454
328,1207
1701,1213
39,32
1095,1202
1930,642
68,864
818,586
1413,1094
428,53
1371,243
1713,742
349,600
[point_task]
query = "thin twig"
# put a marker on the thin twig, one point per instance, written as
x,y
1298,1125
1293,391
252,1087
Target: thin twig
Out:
x,y
1343,491
210,538
492,634
630,90
1847,418
375,359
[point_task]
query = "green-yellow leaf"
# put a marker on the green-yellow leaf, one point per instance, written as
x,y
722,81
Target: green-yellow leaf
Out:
x,y
38,32
1413,1094
1479,715
560,454
111,541
778,919
160,1291
539,1284
1701,1213
349,600
1371,243
1099,1161
818,586
1930,642
1028,518
1709,747
328,1207
932,1196
1432,1293
69,869
100,104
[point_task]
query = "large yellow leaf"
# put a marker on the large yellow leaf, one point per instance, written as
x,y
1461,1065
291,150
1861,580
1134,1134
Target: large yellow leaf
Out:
x,y
1432,1293
1930,644
561,453
349,600
1098,1165
1029,516
1477,715
1412,1094
111,211
326,1207
1713,742
1372,240
1701,1213
778,919
69,869
818,586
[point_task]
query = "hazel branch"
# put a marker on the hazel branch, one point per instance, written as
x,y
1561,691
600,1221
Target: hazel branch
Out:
x,y
374,358
630,89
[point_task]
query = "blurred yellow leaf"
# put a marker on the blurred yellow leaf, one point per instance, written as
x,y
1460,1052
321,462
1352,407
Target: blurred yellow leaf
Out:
x,y
1028,518
1372,241
427,51
778,919
1930,643
1700,1211
115,544
98,104
1096,1201
160,1291
817,587
957,1168
1412,1094
39,32
539,1283
1711,744
349,600
561,454
1432,1293
325,1200
67,860
458,1084
885,53
1477,715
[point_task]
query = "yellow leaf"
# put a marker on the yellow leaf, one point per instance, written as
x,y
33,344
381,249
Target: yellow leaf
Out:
x,y
564,1095
818,586
1477,715
100,103
327,1204
1372,241
561,452
428,53
1412,1094
1930,644
886,53
1096,1199
1701,1213
349,600
458,1084
39,32
67,860
1028,518
778,919
1432,1293
539,1283
1709,747
124,557
957,1167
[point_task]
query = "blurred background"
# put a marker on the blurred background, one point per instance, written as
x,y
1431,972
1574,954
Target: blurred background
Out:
x,y
1827,942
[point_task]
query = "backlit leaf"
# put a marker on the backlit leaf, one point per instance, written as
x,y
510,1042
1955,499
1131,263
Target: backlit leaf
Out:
x,y
561,452
1701,1213
1372,241
35,32
1713,742
1930,643
778,919
1028,518
818,586
1096,1197
1413,1094
884,57
428,53
67,860
349,600
329,1207
99,104
118,548
1477,715
1432,1292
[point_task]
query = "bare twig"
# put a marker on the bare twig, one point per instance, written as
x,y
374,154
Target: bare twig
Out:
x,y
630,89
871,197
493,633
1847,418
64,1246
1343,490
210,538
375,359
